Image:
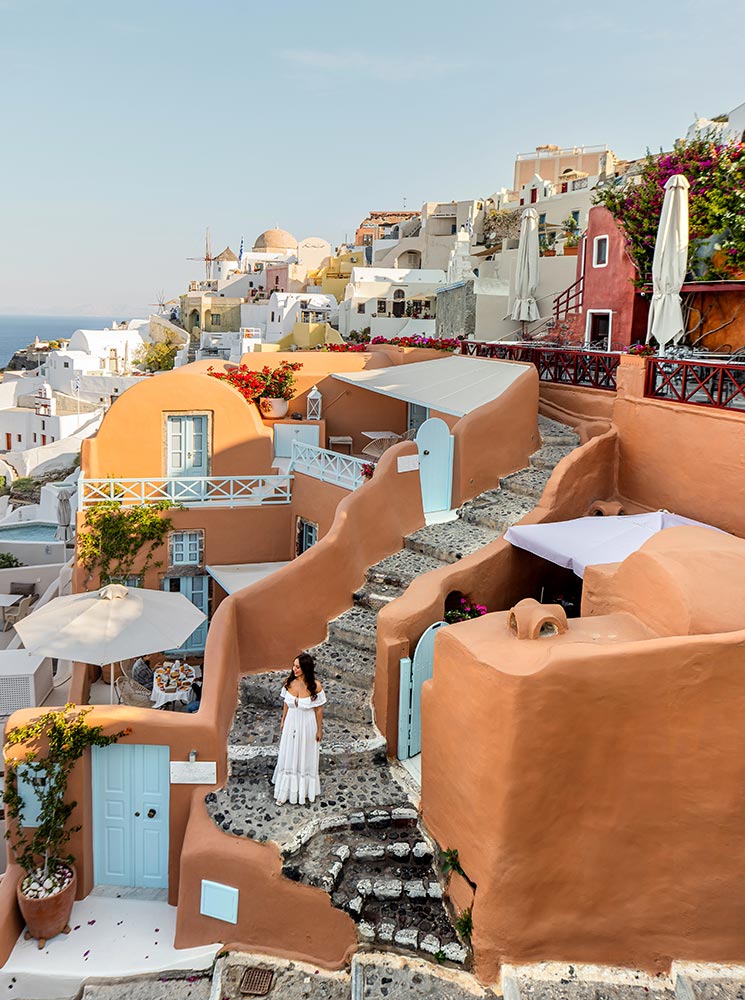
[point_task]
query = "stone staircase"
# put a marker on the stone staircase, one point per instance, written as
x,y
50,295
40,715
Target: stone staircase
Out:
x,y
361,841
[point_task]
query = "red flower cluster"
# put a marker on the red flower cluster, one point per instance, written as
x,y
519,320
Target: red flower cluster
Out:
x,y
433,343
269,383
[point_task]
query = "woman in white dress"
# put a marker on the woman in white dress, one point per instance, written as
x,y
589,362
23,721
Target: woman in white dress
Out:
x,y
296,774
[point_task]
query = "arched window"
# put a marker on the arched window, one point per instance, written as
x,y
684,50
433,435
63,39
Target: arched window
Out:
x,y
399,294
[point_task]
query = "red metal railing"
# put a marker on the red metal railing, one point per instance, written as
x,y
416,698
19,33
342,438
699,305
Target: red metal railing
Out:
x,y
592,369
696,383
570,300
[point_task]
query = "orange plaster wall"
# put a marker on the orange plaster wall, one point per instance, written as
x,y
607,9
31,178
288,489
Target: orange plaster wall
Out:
x,y
131,440
496,439
497,575
370,523
597,802
590,411
275,915
687,459
314,501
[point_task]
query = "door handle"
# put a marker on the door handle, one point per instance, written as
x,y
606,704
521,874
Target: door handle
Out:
x,y
426,452
137,814
151,813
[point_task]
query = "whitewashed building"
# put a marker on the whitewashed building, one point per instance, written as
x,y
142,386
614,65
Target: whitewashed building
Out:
x,y
391,302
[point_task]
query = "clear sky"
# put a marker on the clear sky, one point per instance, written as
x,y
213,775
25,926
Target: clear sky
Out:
x,y
128,127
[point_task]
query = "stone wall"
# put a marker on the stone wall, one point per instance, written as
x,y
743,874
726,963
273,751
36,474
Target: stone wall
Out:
x,y
456,311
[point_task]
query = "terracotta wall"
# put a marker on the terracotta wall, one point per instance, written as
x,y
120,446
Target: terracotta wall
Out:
x,y
316,502
717,319
687,459
370,523
131,440
275,916
589,411
496,439
597,803
497,575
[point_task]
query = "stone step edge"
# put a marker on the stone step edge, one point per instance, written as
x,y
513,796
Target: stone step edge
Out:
x,y
240,751
555,973
336,821
384,960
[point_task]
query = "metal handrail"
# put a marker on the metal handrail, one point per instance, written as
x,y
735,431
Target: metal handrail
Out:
x,y
696,383
189,491
565,365
327,466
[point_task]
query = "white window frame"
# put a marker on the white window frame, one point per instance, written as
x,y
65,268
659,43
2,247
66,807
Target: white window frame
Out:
x,y
186,550
595,244
588,325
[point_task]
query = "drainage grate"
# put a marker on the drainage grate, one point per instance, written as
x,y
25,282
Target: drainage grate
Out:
x,y
256,982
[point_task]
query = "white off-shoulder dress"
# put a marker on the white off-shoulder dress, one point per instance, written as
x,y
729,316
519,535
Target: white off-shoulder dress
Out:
x,y
296,774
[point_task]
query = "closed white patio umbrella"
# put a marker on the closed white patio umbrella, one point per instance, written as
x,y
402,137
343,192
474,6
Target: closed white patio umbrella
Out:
x,y
524,305
108,625
670,264
64,516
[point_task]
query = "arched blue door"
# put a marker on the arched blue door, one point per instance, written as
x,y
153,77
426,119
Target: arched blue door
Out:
x,y
413,675
435,445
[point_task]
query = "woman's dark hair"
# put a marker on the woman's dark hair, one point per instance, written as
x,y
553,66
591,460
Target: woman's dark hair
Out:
x,y
308,668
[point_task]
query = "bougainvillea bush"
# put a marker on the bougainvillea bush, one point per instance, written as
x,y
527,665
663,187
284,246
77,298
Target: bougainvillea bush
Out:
x,y
269,383
433,343
716,199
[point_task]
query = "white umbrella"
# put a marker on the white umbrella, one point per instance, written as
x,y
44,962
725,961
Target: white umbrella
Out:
x,y
524,306
64,514
670,264
590,541
109,625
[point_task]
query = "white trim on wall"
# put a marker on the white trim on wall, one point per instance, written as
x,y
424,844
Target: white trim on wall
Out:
x,y
588,325
595,243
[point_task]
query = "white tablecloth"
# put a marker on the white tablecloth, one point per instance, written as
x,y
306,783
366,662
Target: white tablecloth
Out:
x,y
182,692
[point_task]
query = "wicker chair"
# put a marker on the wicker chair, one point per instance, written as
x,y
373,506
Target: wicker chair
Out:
x,y
132,693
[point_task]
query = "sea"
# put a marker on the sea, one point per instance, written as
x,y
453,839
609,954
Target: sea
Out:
x,y
17,332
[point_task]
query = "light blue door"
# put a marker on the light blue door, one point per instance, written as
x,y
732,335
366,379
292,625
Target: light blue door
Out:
x,y
413,675
196,589
187,455
435,445
130,815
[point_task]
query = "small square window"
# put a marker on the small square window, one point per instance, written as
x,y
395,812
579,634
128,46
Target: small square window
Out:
x,y
186,548
382,305
19,437
66,364
215,319
361,307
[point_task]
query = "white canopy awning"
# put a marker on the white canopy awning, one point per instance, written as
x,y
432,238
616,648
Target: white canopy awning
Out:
x,y
590,541
453,385
236,576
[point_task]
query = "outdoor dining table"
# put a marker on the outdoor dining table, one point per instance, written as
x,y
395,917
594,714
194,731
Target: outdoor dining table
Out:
x,y
171,683
8,600
379,435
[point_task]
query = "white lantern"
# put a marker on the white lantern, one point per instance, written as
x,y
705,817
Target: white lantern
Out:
x,y
314,404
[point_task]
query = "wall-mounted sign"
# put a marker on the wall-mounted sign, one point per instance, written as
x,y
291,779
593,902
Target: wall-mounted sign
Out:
x,y
197,772
408,463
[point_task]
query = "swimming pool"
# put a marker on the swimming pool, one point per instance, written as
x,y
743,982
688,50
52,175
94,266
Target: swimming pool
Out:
x,y
28,531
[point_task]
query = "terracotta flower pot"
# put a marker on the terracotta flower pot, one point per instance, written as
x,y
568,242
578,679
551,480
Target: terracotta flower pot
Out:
x,y
274,409
45,918
571,251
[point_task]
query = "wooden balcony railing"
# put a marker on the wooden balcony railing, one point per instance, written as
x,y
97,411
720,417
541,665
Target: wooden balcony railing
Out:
x,y
696,383
592,369
570,300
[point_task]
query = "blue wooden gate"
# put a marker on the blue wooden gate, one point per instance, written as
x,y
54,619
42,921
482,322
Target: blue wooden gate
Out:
x,y
435,445
413,675
131,789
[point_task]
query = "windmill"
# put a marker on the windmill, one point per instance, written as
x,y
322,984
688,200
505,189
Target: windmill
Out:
x,y
162,302
208,258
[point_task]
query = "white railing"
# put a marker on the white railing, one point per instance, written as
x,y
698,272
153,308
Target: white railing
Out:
x,y
196,491
328,466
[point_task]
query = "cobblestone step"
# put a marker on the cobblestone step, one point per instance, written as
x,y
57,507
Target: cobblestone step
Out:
x,y
339,661
549,456
376,595
528,482
356,627
402,567
381,871
380,975
496,509
552,432
255,733
350,701
450,541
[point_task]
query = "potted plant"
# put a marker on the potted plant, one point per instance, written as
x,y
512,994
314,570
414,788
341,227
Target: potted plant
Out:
x,y
49,748
271,388
571,236
546,245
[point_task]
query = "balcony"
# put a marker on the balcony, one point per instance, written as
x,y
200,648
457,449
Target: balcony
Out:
x,y
197,491
327,466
